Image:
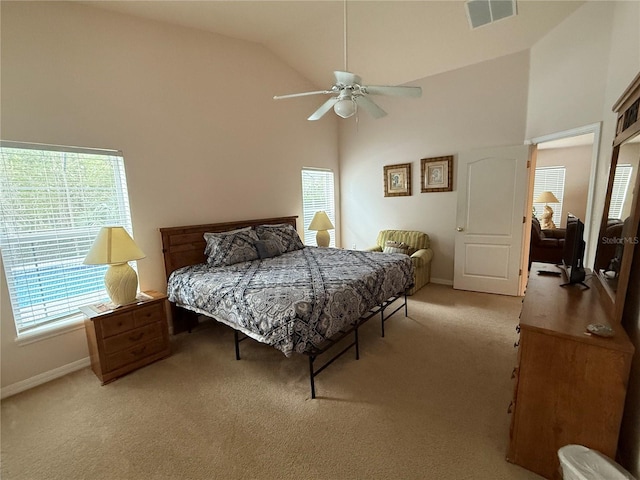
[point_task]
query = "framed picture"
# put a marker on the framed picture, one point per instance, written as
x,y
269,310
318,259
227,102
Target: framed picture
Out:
x,y
437,174
397,180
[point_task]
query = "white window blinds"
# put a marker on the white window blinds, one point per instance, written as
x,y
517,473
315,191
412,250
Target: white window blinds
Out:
x,y
317,194
619,191
549,179
53,201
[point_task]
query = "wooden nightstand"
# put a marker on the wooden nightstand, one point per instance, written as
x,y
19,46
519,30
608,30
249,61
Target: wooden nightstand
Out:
x,y
127,338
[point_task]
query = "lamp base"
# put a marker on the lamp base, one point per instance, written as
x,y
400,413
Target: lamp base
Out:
x,y
323,238
121,283
546,219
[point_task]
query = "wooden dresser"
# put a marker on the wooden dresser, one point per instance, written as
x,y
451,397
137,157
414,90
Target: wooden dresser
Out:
x,y
127,338
570,386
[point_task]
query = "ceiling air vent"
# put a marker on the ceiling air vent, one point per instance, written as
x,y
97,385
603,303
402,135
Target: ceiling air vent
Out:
x,y
482,12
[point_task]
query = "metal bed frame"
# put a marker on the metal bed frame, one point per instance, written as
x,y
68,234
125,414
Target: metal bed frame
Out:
x,y
316,352
183,246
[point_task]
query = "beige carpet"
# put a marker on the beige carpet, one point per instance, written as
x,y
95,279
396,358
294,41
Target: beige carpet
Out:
x,y
428,401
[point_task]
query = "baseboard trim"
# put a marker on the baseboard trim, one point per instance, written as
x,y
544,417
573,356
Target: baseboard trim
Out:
x,y
442,281
44,377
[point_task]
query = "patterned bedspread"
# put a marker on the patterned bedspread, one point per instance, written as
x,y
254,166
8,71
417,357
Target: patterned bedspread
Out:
x,y
295,301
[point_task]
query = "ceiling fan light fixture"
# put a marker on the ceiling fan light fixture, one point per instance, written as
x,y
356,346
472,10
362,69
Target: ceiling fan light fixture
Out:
x,y
345,107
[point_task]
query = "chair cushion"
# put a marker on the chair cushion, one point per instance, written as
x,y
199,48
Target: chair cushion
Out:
x,y
414,239
392,246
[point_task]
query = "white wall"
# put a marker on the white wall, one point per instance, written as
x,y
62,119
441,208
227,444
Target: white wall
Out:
x,y
203,140
483,105
578,71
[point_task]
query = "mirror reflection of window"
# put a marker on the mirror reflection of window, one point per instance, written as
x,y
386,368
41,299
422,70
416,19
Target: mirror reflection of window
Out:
x,y
620,190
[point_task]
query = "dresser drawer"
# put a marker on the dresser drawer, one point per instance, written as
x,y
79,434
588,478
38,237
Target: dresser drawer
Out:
x,y
148,314
132,338
130,355
116,324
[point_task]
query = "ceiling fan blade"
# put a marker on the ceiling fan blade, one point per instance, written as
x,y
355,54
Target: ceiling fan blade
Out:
x,y
346,78
319,92
324,108
399,91
374,110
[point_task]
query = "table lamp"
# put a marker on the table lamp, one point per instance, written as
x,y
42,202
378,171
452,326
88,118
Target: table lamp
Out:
x,y
546,219
321,224
114,247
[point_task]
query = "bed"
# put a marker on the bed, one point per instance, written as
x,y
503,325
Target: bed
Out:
x,y
256,277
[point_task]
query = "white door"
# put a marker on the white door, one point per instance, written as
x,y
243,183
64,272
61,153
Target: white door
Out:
x,y
492,190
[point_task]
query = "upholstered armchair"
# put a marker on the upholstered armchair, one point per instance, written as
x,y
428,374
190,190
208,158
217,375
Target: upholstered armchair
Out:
x,y
419,249
546,245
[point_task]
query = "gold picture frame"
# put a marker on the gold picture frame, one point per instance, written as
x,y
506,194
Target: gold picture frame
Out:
x,y
397,180
437,174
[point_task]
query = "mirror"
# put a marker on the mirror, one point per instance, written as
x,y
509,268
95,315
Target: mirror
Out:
x,y
619,227
616,229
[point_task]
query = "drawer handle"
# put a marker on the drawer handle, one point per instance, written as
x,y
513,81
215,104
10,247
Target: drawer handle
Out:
x,y
516,344
135,338
135,353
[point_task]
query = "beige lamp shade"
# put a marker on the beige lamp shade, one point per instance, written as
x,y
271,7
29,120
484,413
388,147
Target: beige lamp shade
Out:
x,y
546,197
114,246
321,224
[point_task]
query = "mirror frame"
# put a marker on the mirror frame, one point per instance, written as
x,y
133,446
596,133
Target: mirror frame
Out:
x,y
627,127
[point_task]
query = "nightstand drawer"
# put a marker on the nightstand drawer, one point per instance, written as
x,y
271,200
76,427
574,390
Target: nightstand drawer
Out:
x,y
130,355
128,337
148,314
132,337
116,324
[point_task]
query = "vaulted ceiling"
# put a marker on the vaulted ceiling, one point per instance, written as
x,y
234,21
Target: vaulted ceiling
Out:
x,y
388,42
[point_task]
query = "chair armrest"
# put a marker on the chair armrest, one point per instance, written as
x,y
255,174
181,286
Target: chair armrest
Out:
x,y
422,256
555,233
376,248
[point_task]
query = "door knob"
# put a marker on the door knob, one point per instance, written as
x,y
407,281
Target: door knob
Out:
x,y
460,229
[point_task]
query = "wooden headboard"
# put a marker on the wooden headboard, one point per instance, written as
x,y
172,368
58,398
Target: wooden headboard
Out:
x,y
182,246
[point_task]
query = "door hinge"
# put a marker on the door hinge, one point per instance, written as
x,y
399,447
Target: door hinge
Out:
x,y
520,272
528,163
524,219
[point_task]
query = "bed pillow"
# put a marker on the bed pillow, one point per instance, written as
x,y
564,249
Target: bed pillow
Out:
x,y
283,234
396,247
268,248
227,248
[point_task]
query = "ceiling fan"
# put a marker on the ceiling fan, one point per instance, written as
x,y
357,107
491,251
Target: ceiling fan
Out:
x,y
349,93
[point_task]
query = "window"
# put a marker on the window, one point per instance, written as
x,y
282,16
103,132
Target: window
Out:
x,y
317,194
549,179
53,201
619,191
